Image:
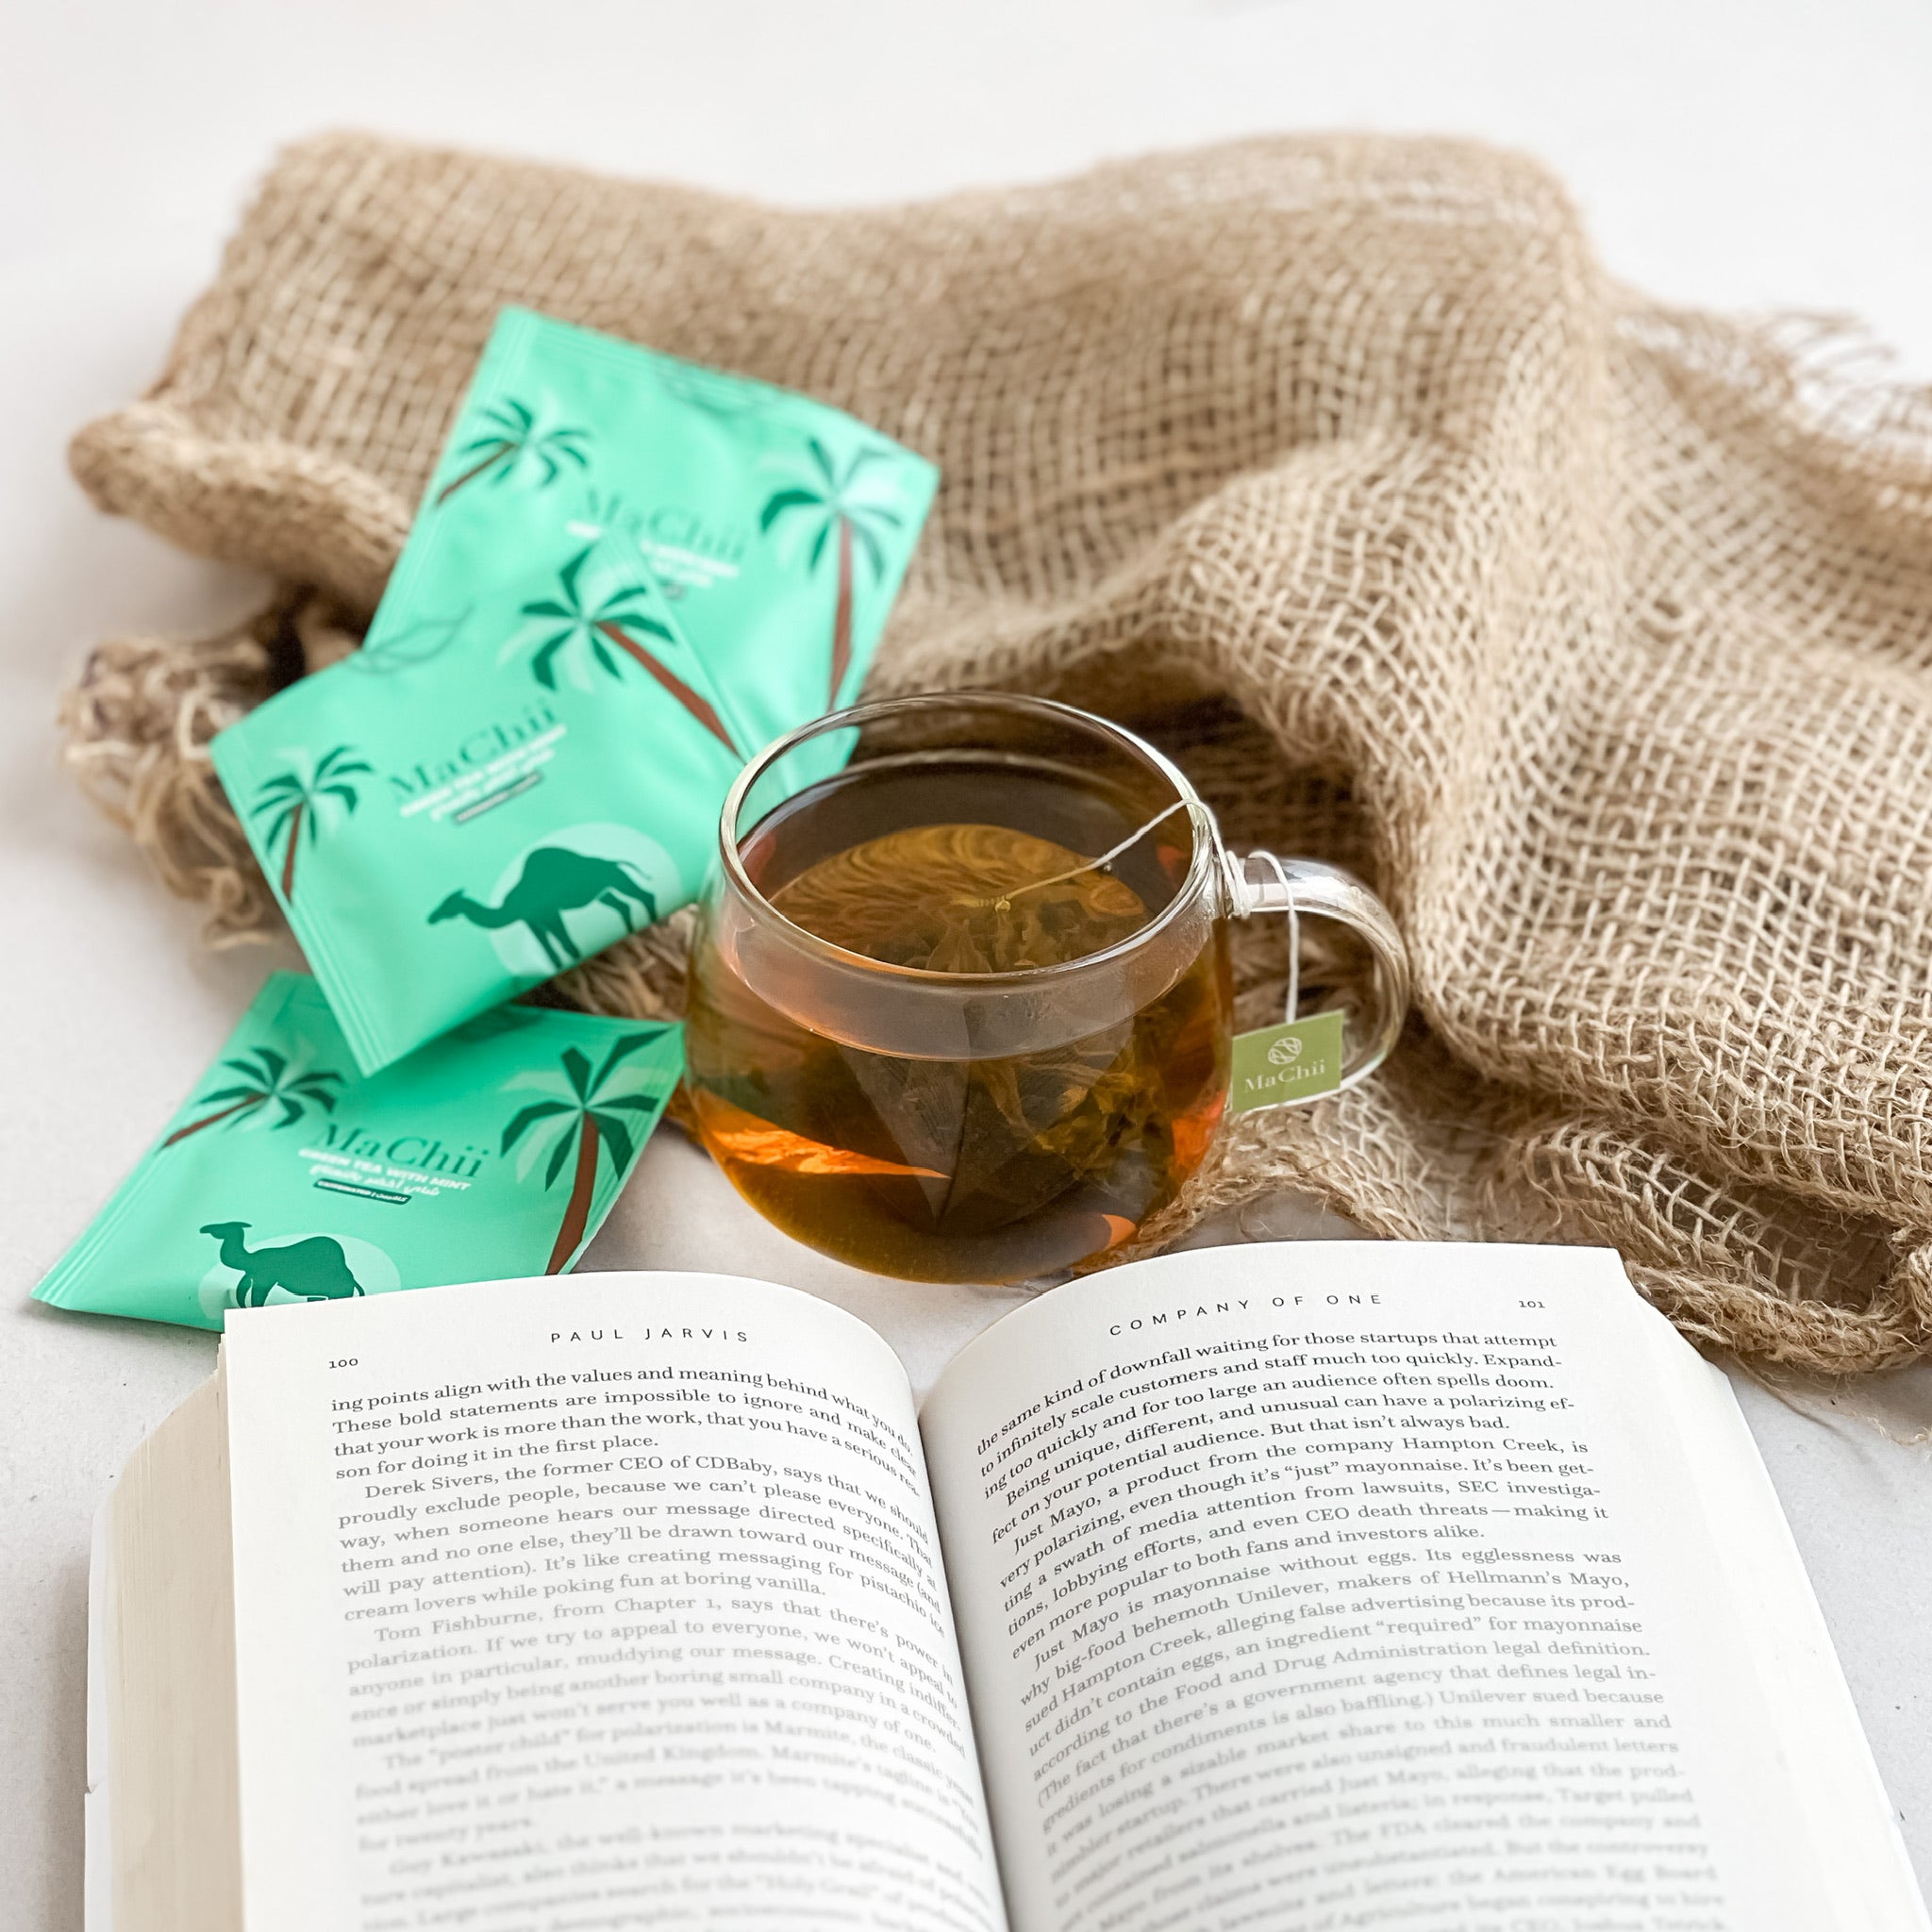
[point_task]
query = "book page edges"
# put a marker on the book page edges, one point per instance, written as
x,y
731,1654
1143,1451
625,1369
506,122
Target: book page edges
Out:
x,y
97,1829
1856,1842
164,1849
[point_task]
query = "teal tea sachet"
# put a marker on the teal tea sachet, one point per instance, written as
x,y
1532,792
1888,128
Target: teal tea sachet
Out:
x,y
495,1151
627,573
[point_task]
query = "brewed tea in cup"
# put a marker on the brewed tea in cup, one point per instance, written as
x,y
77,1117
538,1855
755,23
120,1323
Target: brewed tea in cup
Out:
x,y
961,1009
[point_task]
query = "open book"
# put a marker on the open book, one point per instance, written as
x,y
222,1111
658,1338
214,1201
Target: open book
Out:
x,y
1325,1585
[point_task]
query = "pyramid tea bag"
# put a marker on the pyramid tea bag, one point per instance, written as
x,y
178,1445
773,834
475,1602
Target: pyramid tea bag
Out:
x,y
963,898
982,898
627,575
495,1151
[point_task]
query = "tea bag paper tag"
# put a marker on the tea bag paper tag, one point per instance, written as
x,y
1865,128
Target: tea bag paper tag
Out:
x,y
1278,1066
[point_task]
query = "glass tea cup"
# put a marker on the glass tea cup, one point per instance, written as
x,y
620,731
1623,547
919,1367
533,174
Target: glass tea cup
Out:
x,y
959,1008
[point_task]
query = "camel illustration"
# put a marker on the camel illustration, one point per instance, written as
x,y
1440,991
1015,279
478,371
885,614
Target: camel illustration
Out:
x,y
315,1268
556,880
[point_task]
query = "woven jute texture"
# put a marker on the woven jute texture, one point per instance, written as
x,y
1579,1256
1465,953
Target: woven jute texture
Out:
x,y
1598,636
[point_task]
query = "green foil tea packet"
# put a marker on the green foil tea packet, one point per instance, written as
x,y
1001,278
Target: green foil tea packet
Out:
x,y
495,1151
778,527
627,573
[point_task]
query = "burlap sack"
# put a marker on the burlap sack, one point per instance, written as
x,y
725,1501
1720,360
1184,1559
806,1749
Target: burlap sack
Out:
x,y
1597,634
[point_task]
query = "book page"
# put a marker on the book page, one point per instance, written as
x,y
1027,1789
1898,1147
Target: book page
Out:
x,y
160,1812
613,1601
1360,1584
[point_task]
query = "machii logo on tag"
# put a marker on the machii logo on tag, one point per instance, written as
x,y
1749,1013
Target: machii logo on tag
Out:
x,y
1276,1066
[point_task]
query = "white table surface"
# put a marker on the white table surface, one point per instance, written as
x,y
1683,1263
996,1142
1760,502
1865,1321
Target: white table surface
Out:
x,y
1744,155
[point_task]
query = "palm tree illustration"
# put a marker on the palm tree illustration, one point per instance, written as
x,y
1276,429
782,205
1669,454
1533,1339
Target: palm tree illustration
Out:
x,y
294,801
267,1082
572,622
510,438
584,1112
834,500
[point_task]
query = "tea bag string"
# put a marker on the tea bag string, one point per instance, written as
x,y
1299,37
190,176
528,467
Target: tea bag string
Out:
x,y
1005,901
1292,1003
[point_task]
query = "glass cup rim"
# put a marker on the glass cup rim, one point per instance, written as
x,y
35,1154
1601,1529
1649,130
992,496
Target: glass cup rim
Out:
x,y
1203,863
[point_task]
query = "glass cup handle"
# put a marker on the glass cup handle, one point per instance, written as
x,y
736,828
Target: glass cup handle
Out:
x,y
1263,883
